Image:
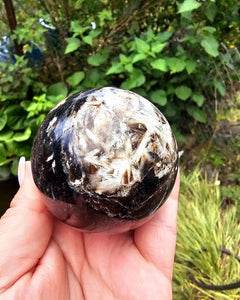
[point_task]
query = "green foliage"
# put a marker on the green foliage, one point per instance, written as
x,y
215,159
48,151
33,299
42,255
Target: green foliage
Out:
x,y
15,79
30,30
75,78
57,92
20,117
188,6
210,45
146,63
99,58
165,66
73,44
206,223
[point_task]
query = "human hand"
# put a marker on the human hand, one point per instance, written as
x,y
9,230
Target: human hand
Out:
x,y
43,258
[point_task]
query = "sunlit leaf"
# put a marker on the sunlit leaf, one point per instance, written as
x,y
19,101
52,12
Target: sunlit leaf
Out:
x,y
210,45
164,36
88,39
137,57
19,149
176,64
3,121
141,45
57,90
98,59
190,66
136,79
159,97
198,98
188,5
73,44
77,28
116,68
22,136
75,78
6,135
197,114
183,92
158,47
159,64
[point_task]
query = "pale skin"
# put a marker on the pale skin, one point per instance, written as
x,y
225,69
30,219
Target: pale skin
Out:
x,y
43,258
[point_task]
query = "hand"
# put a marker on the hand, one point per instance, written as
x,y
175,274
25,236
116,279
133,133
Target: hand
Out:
x,y
43,258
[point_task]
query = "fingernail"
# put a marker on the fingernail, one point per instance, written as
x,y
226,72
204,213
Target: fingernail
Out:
x,y
21,170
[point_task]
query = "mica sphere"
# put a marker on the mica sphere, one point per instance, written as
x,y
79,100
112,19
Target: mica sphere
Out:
x,y
105,159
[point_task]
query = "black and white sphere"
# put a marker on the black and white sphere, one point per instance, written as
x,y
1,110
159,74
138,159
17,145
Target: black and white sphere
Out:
x,y
106,160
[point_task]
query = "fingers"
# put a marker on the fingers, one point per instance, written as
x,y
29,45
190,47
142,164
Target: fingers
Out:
x,y
156,239
25,230
28,190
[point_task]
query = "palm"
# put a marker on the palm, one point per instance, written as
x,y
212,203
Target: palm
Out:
x,y
59,262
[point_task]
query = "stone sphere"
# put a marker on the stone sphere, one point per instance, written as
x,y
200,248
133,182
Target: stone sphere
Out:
x,y
105,159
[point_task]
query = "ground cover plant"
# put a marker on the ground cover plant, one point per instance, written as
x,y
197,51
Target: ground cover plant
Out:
x,y
209,210
207,230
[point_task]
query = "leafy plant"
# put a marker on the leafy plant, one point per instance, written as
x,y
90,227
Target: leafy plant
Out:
x,y
20,118
179,68
31,30
148,67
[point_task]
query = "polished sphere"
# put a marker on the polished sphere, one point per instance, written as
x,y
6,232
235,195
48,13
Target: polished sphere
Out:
x,y
106,160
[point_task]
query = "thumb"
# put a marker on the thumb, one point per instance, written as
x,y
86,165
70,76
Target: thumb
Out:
x,y
28,195
25,230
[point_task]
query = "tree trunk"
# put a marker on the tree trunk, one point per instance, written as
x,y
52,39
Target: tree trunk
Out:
x,y
12,23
